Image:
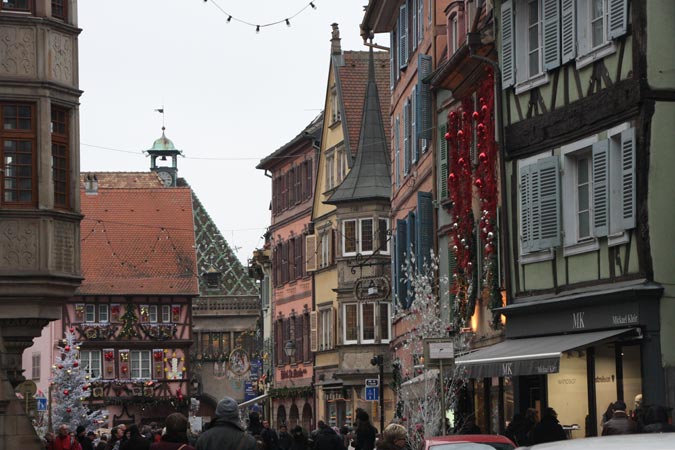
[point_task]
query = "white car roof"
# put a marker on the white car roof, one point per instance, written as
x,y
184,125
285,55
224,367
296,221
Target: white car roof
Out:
x,y
652,441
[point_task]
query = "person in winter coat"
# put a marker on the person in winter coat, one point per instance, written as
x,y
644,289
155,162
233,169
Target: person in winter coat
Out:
x,y
285,439
656,420
82,438
549,429
136,440
620,423
366,433
226,431
299,439
394,437
176,437
64,440
327,439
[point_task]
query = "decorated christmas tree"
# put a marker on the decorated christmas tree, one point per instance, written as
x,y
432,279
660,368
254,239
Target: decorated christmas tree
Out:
x,y
70,388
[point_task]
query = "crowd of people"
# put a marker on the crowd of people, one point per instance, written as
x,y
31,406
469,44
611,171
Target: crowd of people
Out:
x,y
226,431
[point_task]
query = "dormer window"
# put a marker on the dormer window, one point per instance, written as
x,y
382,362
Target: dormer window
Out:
x,y
212,278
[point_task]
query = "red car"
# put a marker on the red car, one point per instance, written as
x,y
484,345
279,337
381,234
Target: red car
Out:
x,y
470,442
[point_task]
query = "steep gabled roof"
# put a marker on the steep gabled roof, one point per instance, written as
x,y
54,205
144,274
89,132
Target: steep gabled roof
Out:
x,y
312,132
214,253
352,78
370,176
137,241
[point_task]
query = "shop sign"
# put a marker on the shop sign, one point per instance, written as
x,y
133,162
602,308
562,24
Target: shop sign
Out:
x,y
372,289
292,373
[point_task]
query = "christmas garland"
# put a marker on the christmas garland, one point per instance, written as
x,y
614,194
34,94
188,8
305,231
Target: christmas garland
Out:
x,y
294,392
465,182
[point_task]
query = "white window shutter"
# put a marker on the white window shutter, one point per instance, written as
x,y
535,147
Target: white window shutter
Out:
x,y
618,18
403,36
628,178
507,53
443,176
314,331
551,33
568,31
601,188
583,25
420,19
549,202
526,208
310,253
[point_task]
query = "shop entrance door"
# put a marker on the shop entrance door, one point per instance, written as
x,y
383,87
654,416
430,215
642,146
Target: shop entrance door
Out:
x,y
532,392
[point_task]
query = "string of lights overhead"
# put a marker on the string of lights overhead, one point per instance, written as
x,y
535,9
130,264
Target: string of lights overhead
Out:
x,y
286,20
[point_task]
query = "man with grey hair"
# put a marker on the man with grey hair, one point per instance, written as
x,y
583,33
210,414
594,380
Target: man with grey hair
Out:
x,y
226,431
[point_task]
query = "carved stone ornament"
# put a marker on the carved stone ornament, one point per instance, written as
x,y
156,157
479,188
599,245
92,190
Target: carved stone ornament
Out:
x,y
61,60
18,244
17,51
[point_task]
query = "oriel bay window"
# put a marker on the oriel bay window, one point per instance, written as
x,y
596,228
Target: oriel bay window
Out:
x,y
18,176
365,236
16,5
366,323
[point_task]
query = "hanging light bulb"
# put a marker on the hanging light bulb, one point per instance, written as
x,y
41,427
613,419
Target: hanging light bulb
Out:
x,y
257,28
288,23
312,5
229,18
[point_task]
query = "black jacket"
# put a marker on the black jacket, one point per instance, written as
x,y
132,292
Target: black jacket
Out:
x,y
327,439
548,430
225,435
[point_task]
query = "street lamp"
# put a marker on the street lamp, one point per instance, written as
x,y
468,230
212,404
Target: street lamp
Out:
x,y
290,348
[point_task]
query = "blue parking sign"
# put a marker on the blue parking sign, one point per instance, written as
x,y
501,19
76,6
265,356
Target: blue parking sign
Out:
x,y
41,404
372,393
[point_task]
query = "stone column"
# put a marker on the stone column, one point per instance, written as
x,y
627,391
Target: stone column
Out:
x,y
16,430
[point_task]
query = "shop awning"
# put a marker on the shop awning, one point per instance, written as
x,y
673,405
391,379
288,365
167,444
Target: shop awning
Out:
x,y
528,356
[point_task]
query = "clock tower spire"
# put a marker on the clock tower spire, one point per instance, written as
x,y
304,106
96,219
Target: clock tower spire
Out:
x,y
161,150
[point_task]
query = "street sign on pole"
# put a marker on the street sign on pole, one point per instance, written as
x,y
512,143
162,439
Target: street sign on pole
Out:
x,y
372,393
42,404
372,382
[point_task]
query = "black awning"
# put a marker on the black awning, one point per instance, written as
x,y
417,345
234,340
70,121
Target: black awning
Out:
x,y
528,356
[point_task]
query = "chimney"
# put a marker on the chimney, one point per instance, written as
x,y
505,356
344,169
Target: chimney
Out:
x,y
91,185
335,48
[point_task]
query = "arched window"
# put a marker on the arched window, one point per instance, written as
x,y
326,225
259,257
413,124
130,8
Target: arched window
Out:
x,y
281,416
294,416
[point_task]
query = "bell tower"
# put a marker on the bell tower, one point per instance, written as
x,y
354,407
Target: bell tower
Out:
x,y
161,150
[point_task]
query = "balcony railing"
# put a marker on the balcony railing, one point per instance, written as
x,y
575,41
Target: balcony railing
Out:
x,y
224,305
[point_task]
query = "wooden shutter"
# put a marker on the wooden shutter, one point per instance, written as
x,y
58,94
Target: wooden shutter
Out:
x,y
334,327
403,36
568,31
600,197
397,150
287,337
628,178
314,331
406,137
310,253
413,113
299,333
420,19
551,33
392,60
507,53
526,237
443,173
333,242
413,37
424,107
401,240
549,202
410,250
425,228
274,196
618,18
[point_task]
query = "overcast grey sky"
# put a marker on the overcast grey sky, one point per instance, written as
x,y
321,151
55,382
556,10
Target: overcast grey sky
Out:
x,y
231,95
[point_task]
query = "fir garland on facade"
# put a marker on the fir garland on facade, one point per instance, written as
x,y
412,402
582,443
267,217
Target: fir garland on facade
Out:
x,y
293,392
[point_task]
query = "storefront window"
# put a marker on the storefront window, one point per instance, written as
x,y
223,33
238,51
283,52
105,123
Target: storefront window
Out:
x,y
479,405
632,378
509,408
494,407
568,392
605,380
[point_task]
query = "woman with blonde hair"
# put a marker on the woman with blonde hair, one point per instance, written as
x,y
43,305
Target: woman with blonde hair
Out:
x,y
395,437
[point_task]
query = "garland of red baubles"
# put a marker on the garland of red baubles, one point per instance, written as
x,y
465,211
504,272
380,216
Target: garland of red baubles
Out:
x,y
463,182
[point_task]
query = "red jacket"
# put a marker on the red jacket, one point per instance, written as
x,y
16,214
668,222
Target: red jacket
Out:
x,y
65,443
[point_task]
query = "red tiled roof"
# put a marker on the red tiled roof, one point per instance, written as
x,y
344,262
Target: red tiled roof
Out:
x,y
353,79
137,240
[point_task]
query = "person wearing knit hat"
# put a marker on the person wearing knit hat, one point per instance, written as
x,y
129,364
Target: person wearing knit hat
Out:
x,y
175,437
225,430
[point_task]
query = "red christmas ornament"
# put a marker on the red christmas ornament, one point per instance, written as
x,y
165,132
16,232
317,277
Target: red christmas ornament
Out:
x,y
60,366
75,363
447,136
481,127
453,115
484,109
452,177
68,410
67,348
72,330
478,183
483,157
461,161
464,115
482,101
460,134
475,115
66,392
85,387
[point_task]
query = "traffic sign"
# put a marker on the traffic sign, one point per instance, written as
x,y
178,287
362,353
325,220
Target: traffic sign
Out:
x,y
42,404
372,393
372,382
